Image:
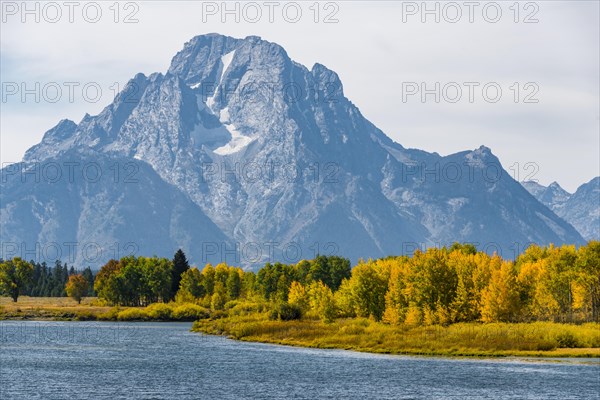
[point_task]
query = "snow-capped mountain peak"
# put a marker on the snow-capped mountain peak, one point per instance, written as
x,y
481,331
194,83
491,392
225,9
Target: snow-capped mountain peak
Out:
x,y
268,151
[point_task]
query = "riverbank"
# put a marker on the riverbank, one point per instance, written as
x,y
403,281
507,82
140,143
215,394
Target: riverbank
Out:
x,y
51,308
539,339
91,309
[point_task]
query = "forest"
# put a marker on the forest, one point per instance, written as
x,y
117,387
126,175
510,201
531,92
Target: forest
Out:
x,y
20,278
436,286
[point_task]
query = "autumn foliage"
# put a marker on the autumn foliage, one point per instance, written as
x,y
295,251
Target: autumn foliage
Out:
x,y
436,286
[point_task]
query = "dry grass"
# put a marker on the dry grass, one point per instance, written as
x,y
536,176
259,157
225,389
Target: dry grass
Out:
x,y
468,340
249,322
64,308
50,308
26,302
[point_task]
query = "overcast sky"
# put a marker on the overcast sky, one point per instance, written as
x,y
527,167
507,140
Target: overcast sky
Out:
x,y
379,49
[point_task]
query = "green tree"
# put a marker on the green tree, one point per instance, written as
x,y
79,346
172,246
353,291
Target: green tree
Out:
x,y
234,283
209,279
157,275
301,271
191,285
283,288
273,280
344,300
465,248
319,270
58,280
221,274
339,269
89,276
465,306
248,284
368,288
180,265
431,286
15,276
218,298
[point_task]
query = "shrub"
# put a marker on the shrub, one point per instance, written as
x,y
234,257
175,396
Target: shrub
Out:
x,y
546,345
217,301
110,315
205,301
85,316
159,311
352,330
246,308
218,314
230,304
567,339
189,312
132,314
183,296
96,302
286,312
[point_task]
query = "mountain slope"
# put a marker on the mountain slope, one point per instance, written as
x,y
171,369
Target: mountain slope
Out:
x,y
99,207
287,167
581,209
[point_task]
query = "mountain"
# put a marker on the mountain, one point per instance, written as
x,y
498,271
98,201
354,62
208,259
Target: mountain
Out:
x,y
581,209
272,162
104,215
552,194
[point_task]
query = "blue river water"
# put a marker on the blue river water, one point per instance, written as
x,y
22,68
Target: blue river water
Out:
x,y
102,360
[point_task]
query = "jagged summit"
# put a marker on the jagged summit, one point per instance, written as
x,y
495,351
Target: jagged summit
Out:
x,y
303,167
581,209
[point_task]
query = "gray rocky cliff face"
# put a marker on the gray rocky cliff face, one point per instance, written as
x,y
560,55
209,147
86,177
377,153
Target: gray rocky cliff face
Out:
x,y
238,145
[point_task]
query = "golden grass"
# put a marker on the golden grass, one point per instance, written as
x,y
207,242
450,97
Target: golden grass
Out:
x,y
539,339
64,308
50,308
26,302
250,322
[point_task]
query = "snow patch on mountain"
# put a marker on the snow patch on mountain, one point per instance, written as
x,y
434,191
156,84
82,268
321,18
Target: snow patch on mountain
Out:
x,y
224,65
237,142
327,179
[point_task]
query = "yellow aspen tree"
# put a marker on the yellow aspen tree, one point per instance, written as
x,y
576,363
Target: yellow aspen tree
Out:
x,y
298,296
500,300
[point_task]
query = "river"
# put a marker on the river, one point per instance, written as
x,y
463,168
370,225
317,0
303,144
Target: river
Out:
x,y
103,360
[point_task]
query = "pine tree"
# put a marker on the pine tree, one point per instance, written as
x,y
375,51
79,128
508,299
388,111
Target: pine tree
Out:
x,y
180,265
56,284
89,276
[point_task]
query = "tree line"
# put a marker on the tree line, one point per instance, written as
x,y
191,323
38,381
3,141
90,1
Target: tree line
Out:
x,y
436,286
138,281
21,278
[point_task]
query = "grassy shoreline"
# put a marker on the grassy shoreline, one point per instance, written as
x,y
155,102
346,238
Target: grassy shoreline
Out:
x,y
458,340
51,308
90,309
537,339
